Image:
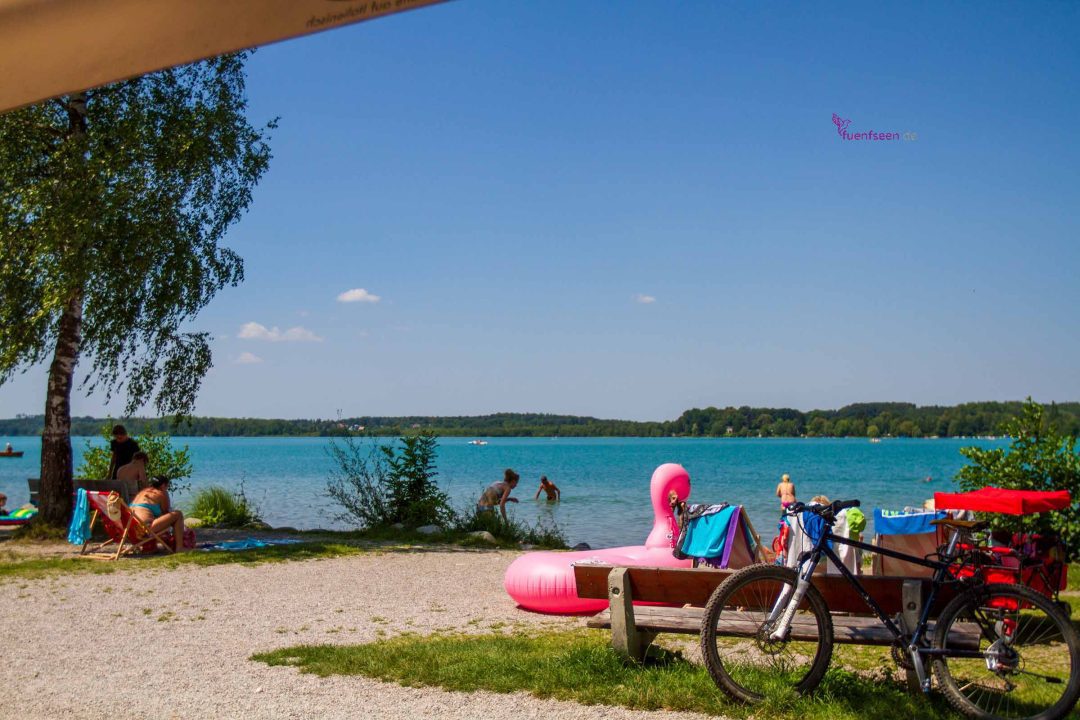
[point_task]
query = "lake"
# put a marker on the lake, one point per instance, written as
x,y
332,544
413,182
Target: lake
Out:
x,y
604,481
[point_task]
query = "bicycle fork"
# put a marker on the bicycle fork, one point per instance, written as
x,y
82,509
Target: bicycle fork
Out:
x,y
790,599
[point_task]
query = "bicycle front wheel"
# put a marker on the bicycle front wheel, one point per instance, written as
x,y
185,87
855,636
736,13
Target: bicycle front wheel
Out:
x,y
1007,651
740,654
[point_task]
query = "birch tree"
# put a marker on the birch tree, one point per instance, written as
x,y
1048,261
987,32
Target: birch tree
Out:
x,y
114,203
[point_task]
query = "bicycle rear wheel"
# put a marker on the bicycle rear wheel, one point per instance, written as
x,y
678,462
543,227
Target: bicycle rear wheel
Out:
x,y
739,654
1025,659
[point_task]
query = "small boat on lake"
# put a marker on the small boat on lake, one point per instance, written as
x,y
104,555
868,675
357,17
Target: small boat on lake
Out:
x,y
11,453
478,442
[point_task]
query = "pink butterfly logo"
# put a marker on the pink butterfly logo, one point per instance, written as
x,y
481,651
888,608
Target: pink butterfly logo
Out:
x,y
841,124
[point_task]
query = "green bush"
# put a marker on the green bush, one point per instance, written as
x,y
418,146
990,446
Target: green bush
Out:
x,y
543,534
173,463
380,485
1039,458
218,507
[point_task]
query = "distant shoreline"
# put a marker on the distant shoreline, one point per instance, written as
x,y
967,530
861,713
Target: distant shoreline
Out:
x,y
861,420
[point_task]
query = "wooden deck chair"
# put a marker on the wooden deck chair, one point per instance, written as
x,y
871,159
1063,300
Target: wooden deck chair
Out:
x,y
124,529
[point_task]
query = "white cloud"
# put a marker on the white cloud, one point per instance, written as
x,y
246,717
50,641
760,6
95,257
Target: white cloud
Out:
x,y
255,331
247,358
358,295
644,299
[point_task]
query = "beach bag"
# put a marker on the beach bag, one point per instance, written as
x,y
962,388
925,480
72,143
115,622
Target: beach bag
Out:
x,y
112,508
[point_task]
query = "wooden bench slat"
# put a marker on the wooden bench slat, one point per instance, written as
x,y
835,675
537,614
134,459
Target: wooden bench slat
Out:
x,y
694,586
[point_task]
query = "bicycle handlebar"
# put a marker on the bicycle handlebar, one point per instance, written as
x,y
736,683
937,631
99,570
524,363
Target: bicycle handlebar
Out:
x,y
825,511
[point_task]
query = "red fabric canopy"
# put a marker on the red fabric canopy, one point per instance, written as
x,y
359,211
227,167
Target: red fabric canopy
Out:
x,y
1000,500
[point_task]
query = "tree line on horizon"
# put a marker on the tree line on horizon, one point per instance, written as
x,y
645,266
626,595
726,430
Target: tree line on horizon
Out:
x,y
887,419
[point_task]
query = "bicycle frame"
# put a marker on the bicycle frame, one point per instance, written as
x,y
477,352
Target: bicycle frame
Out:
x,y
788,602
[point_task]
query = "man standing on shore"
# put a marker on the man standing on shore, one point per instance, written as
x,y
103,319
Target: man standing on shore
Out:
x,y
123,450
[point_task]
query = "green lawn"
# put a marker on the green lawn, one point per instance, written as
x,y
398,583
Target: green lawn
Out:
x,y
580,666
13,566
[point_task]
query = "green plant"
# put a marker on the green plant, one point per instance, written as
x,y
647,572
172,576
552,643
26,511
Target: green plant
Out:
x,y
1038,458
174,463
115,205
385,484
580,666
543,534
218,507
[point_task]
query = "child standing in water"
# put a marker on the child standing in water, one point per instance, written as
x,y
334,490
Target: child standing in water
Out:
x,y
553,492
785,491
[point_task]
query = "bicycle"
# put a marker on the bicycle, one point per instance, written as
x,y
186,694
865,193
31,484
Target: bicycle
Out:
x,y
997,650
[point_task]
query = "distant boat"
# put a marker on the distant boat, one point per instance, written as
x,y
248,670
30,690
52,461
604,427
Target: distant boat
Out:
x,y
478,442
875,440
11,453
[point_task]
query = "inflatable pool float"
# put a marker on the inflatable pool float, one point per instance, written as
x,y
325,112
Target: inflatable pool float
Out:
x,y
22,516
544,581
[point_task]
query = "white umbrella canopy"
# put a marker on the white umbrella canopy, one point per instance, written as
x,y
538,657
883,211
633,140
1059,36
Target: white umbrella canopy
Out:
x,y
53,47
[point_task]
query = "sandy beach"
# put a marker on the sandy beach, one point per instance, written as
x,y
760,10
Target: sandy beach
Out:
x,y
176,643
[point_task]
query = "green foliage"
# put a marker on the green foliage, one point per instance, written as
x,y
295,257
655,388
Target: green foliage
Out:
x,y
385,484
116,200
1039,458
543,534
173,463
890,419
38,567
580,666
218,507
414,497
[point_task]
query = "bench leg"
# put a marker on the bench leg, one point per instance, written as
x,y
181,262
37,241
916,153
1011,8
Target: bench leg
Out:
x,y
626,639
912,598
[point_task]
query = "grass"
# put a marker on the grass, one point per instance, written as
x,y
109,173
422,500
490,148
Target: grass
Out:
x,y
512,531
14,567
218,507
580,666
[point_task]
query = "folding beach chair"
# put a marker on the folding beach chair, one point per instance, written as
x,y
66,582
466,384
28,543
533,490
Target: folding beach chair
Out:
x,y
129,533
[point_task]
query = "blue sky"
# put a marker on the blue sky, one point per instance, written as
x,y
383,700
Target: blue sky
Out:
x,y
516,181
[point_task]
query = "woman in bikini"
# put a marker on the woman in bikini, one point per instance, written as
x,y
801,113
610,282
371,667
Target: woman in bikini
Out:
x,y
498,493
153,508
785,491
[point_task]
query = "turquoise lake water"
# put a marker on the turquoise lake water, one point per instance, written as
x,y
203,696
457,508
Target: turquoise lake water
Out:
x,y
605,481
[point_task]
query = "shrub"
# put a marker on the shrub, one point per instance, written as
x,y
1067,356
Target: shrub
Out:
x,y
386,484
1039,458
218,507
173,463
544,534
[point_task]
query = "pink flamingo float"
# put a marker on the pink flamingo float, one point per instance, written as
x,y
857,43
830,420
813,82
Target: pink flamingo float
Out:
x,y
544,581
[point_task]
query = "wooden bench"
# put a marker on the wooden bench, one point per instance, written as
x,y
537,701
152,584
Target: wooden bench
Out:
x,y
119,486
685,591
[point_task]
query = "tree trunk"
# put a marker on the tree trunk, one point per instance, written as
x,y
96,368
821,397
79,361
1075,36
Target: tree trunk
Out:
x,y
56,456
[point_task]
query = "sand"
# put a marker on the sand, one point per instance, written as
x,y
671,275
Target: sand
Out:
x,y
176,643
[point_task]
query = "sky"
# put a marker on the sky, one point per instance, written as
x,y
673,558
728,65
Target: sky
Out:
x,y
630,209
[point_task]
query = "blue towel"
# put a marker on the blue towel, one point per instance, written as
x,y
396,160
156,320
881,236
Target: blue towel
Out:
x,y
247,544
707,535
887,522
79,530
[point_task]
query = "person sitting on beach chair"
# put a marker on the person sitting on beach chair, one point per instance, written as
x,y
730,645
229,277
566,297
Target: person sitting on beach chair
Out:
x,y
133,475
153,508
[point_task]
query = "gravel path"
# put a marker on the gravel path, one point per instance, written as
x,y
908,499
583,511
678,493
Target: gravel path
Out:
x,y
176,643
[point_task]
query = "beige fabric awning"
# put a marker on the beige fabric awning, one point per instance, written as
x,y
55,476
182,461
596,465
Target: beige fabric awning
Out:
x,y
53,47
